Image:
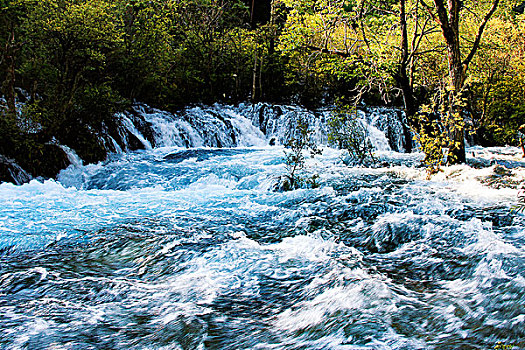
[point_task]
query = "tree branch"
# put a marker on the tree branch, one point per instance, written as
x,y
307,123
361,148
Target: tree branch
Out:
x,y
331,52
429,10
443,21
480,33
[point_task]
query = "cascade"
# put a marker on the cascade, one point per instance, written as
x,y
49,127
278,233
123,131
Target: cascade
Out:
x,y
248,125
73,158
130,127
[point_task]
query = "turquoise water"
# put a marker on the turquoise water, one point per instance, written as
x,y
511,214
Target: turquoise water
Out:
x,y
192,249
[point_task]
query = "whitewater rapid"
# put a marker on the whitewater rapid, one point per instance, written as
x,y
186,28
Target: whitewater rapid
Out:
x,y
192,248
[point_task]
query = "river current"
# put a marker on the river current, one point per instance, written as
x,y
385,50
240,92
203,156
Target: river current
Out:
x,y
176,248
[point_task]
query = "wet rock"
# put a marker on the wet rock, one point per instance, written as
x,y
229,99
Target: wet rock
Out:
x,y
46,161
133,142
282,184
480,163
144,127
86,142
388,235
502,171
502,178
10,171
201,154
40,160
124,138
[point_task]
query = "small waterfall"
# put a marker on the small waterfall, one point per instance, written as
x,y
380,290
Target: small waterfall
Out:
x,y
10,170
130,127
281,122
73,158
245,125
74,175
223,126
214,126
385,126
114,145
391,122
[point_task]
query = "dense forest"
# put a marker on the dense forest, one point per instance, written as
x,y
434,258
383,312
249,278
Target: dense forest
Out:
x,y
456,68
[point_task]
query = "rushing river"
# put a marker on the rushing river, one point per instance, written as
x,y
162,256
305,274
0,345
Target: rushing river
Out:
x,y
173,248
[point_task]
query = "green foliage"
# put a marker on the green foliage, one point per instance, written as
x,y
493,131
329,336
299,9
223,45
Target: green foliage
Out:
x,y
295,160
69,46
433,139
315,43
438,125
348,133
212,55
145,54
498,85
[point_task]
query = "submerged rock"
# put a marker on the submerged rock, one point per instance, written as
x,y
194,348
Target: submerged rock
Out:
x,y
392,231
480,163
282,184
501,178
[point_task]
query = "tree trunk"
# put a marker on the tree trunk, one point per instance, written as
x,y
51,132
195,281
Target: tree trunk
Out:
x,y
448,19
401,77
261,65
10,82
457,77
254,77
10,89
